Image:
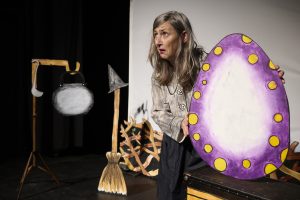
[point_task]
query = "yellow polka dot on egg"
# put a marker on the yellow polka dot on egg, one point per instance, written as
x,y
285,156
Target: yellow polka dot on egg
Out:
x,y
204,82
205,67
193,119
196,136
220,164
197,95
218,50
270,168
208,148
271,65
272,85
252,58
274,141
283,155
246,39
246,163
278,117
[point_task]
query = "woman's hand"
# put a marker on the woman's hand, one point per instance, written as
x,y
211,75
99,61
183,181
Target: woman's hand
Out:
x,y
280,74
185,126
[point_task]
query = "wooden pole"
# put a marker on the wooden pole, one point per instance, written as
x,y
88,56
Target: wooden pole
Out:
x,y
116,121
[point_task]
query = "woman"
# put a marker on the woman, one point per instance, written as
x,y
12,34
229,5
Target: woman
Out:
x,y
176,58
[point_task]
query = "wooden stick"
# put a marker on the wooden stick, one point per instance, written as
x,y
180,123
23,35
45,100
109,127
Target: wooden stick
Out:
x,y
116,121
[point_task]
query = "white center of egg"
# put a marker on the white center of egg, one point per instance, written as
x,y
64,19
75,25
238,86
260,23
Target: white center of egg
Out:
x,y
238,112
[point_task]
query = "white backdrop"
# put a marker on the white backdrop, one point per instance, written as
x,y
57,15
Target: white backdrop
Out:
x,y
273,24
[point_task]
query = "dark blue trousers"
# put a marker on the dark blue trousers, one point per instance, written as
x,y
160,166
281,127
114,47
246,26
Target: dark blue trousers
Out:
x,y
175,159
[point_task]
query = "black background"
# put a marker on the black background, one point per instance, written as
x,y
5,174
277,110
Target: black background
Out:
x,y
84,31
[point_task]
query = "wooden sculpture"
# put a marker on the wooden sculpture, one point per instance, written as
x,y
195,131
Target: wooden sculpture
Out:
x,y
141,147
112,179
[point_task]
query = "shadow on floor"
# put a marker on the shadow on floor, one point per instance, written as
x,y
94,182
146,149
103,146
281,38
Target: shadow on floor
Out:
x,y
78,175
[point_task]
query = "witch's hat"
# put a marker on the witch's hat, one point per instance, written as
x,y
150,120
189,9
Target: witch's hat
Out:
x,y
115,82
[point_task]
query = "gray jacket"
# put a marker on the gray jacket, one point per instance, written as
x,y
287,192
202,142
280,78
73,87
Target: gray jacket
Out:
x,y
170,105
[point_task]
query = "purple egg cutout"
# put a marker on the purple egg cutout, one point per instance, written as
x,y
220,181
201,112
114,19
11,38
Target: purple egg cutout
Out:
x,y
239,119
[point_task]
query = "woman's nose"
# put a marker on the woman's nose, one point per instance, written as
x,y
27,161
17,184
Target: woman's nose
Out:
x,y
158,40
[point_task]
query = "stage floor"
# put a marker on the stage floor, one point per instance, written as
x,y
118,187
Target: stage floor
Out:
x,y
79,176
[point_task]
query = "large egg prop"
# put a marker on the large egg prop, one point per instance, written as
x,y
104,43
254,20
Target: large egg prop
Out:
x,y
239,114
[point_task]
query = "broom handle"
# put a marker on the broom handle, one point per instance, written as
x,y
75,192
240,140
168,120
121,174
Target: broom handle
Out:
x,y
116,121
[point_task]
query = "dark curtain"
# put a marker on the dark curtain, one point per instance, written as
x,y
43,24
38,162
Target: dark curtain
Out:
x,y
55,29
70,30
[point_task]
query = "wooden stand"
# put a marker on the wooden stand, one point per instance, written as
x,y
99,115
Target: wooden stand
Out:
x,y
35,157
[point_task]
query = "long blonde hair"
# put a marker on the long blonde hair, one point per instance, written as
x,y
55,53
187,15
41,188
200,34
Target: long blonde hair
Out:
x,y
188,56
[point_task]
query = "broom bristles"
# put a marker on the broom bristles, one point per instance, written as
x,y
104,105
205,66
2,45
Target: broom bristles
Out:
x,y
112,179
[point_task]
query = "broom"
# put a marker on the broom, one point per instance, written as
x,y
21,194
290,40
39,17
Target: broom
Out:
x,y
112,179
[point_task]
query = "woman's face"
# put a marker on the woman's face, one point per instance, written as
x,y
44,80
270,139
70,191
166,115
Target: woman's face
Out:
x,y
167,41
